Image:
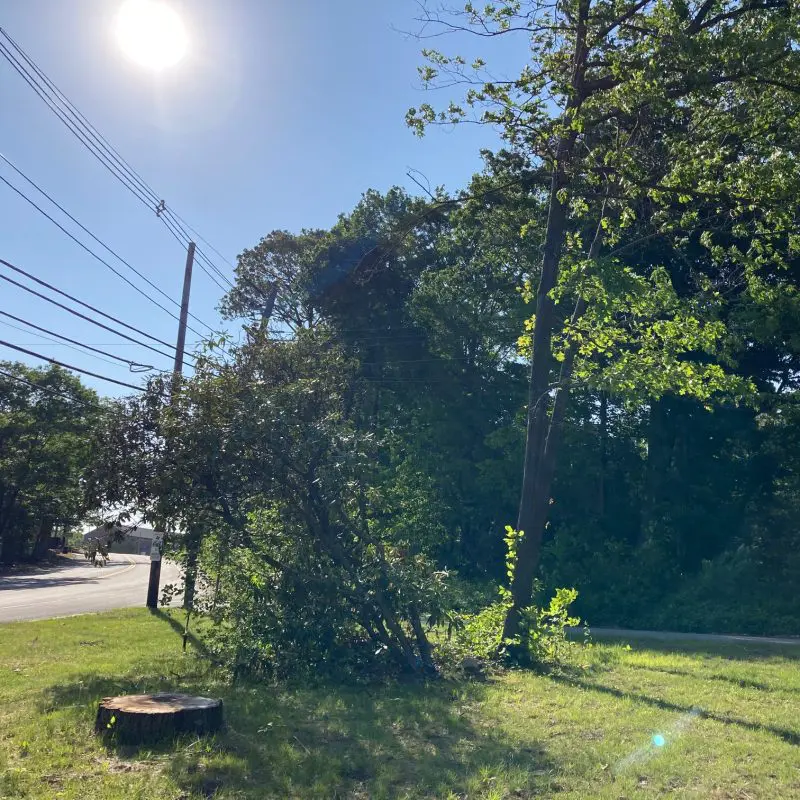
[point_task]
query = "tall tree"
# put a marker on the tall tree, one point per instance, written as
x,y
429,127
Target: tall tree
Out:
x,y
641,116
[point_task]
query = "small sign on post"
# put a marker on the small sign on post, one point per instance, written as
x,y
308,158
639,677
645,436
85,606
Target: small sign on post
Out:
x,y
155,549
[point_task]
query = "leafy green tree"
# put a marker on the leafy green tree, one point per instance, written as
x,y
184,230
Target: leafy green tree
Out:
x,y
262,463
640,117
424,297
46,421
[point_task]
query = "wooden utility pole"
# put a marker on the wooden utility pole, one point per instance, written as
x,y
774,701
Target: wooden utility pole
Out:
x,y
187,286
155,554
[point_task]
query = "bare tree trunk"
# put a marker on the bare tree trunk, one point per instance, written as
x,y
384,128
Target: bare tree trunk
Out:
x,y
602,488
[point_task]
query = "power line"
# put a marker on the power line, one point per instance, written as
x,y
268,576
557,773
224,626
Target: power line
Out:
x,y
170,220
87,249
86,305
83,316
69,366
52,342
103,244
131,364
201,238
80,118
183,239
74,129
203,257
48,390
95,142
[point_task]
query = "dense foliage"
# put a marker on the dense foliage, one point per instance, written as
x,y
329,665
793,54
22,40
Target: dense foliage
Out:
x,y
663,137
599,339
46,422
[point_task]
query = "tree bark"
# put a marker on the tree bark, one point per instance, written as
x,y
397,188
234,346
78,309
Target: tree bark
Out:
x,y
602,488
150,717
43,537
543,432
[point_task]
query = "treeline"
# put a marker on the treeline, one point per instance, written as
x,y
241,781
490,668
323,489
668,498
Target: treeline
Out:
x,y
671,512
47,426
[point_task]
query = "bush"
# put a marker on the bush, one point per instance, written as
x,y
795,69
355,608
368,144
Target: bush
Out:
x,y
480,636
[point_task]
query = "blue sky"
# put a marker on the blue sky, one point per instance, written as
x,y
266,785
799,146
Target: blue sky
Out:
x,y
280,116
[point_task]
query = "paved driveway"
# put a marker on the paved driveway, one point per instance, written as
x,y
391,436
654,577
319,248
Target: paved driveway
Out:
x,y
76,587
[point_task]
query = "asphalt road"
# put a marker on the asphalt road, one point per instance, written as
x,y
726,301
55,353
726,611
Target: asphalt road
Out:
x,y
76,587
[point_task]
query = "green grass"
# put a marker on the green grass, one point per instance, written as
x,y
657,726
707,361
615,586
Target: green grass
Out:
x,y
730,718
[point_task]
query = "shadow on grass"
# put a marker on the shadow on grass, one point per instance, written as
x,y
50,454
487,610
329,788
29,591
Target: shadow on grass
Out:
x,y
735,651
742,683
178,627
789,736
387,740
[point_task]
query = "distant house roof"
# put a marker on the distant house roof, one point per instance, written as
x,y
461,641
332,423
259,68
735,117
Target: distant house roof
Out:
x,y
129,530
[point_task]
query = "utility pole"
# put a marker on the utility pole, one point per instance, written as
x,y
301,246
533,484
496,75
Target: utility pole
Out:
x,y
155,552
187,286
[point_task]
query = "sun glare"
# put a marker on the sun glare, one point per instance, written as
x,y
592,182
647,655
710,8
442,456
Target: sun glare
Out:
x,y
151,33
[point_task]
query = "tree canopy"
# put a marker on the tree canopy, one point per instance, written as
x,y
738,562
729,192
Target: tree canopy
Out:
x,y
47,422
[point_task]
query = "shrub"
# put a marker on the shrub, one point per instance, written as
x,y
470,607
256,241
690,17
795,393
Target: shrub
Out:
x,y
480,636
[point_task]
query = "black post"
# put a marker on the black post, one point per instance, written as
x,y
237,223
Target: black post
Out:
x,y
152,587
155,573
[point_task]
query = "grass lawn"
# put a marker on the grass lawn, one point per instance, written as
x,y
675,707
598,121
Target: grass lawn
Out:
x,y
729,718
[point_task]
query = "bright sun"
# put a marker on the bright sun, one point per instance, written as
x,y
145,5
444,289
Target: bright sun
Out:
x,y
151,33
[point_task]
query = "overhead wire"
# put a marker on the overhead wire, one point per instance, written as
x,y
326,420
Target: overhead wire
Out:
x,y
88,249
202,238
70,366
98,145
81,120
134,366
103,244
90,307
200,259
48,390
51,342
85,140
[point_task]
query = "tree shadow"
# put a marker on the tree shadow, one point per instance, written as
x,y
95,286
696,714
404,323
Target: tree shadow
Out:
x,y
28,582
285,740
49,575
789,736
742,683
734,651
198,644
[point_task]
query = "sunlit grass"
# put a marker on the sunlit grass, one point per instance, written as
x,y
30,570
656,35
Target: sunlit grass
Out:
x,y
728,717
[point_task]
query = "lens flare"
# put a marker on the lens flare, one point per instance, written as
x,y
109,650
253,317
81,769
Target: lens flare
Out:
x,y
659,740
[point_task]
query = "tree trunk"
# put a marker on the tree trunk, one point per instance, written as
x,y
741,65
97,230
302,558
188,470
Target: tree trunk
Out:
x,y
602,488
535,493
525,571
42,542
150,717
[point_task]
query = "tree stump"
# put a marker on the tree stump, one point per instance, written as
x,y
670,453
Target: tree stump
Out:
x,y
148,717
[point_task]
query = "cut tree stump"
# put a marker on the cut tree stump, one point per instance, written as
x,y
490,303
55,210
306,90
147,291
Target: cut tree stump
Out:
x,y
149,717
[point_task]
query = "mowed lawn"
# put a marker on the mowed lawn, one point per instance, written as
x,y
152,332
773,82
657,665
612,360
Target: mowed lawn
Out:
x,y
729,718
